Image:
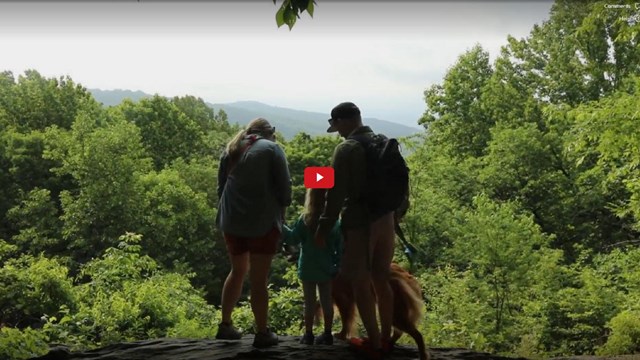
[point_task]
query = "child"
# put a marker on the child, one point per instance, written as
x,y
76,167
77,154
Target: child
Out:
x,y
316,266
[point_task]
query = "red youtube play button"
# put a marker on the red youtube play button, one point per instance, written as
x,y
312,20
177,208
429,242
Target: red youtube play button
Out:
x,y
317,177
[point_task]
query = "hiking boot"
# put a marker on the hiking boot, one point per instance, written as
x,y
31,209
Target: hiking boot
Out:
x,y
228,332
307,339
363,347
326,338
265,339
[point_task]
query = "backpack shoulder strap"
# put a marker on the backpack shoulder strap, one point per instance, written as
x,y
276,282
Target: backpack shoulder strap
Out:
x,y
364,140
252,139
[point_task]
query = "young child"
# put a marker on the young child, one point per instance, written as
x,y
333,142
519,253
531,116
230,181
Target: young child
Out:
x,y
316,266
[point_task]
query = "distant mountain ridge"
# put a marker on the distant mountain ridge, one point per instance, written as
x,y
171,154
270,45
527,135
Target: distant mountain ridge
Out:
x,y
287,121
115,97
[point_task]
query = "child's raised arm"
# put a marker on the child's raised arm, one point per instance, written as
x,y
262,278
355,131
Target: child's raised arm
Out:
x,y
294,235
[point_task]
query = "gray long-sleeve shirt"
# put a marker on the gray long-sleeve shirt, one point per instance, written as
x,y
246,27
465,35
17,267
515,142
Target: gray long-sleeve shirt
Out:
x,y
255,192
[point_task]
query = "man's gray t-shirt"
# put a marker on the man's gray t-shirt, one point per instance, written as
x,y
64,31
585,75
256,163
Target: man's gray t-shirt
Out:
x,y
256,190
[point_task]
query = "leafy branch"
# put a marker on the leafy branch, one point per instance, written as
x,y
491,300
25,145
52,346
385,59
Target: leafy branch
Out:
x,y
290,11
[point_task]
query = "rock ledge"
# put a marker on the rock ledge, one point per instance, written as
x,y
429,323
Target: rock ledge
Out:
x,y
287,349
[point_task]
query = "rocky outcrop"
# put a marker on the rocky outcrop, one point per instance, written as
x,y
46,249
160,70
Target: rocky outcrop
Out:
x,y
288,349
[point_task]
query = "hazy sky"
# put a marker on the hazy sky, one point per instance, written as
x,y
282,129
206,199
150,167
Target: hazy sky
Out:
x,y
381,55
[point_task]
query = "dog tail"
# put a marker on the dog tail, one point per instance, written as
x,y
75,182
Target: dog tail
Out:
x,y
408,292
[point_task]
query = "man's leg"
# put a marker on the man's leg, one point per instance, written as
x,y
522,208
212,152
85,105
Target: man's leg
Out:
x,y
383,240
356,268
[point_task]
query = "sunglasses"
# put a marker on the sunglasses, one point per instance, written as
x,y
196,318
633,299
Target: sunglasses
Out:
x,y
270,131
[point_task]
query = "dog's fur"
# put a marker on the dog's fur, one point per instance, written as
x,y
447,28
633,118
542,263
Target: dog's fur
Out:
x,y
407,307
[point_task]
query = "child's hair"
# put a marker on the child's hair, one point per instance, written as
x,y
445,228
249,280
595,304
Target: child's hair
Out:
x,y
313,207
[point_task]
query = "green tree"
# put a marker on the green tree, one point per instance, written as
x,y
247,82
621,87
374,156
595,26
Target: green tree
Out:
x,y
166,132
37,220
439,185
178,228
27,170
35,102
454,115
604,142
204,115
513,95
200,175
28,106
583,52
502,247
105,163
520,165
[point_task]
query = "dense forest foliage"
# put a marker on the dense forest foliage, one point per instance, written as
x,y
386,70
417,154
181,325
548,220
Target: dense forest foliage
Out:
x,y
525,199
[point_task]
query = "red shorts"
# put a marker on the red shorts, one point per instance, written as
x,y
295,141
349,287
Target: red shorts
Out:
x,y
266,244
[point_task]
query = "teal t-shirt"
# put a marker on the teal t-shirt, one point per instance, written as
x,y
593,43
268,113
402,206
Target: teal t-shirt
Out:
x,y
315,264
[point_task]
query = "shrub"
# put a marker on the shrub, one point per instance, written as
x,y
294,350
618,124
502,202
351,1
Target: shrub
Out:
x,y
625,334
22,344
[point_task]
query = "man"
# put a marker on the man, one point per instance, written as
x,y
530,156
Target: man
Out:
x,y
369,241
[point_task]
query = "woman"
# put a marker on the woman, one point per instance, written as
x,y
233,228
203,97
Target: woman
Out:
x,y
254,188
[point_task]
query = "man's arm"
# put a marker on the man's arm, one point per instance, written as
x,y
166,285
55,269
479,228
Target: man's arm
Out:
x,y
336,195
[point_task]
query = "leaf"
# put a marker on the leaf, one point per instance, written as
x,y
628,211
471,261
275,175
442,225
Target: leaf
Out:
x,y
310,7
280,16
297,5
289,17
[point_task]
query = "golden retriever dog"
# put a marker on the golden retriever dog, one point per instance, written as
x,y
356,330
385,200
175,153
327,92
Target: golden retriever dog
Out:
x,y
407,307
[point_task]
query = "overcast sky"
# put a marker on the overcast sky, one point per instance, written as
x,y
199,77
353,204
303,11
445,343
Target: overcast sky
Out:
x,y
381,55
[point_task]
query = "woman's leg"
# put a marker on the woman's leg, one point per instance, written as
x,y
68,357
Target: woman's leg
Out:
x,y
233,284
309,291
258,275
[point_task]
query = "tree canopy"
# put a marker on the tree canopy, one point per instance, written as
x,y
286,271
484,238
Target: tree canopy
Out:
x,y
525,203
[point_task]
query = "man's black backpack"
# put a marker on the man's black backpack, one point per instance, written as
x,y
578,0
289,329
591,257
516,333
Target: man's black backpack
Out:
x,y
387,186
